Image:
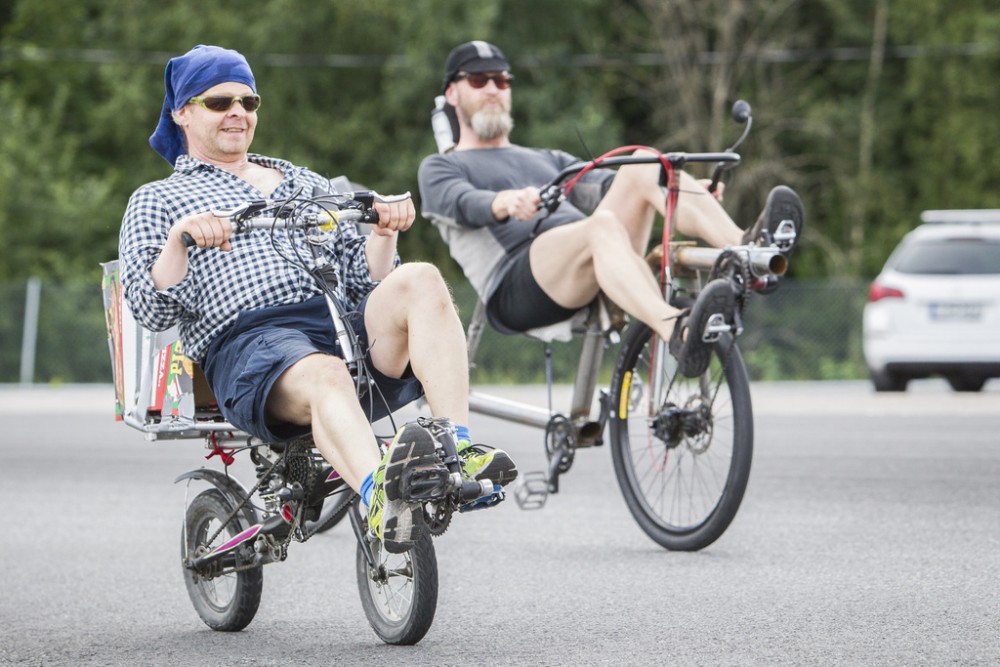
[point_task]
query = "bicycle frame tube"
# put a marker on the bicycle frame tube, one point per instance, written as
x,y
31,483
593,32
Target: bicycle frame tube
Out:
x,y
588,368
346,349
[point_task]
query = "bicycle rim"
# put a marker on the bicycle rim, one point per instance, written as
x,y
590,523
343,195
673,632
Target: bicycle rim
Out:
x,y
229,600
399,596
681,446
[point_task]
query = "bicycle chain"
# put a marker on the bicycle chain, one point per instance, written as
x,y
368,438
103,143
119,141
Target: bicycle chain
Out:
x,y
246,499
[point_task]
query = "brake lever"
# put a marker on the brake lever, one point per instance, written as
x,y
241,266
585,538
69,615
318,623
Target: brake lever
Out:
x,y
236,214
552,196
368,198
242,210
390,199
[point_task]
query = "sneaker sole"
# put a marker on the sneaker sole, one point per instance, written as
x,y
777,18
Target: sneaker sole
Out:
x,y
692,353
402,524
784,204
413,446
501,470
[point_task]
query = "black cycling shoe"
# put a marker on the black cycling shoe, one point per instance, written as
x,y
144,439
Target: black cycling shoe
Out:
x,y
782,205
691,341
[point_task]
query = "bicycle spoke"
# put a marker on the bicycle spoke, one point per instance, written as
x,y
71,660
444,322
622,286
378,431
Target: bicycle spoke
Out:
x,y
681,479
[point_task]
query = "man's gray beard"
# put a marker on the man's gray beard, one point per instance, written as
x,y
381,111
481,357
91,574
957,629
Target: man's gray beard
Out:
x,y
490,125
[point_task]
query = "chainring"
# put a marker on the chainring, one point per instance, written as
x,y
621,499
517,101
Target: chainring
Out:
x,y
437,517
560,440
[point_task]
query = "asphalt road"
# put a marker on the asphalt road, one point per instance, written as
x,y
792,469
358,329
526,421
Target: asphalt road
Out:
x,y
870,535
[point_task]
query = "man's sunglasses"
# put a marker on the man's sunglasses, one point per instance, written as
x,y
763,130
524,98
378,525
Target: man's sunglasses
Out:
x,y
502,81
225,102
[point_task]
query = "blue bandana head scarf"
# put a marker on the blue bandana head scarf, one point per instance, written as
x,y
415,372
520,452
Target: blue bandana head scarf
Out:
x,y
185,77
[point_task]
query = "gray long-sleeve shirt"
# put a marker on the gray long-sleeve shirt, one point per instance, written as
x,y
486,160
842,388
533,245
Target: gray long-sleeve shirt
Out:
x,y
457,191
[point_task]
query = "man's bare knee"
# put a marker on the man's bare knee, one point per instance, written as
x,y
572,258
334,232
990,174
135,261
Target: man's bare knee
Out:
x,y
419,282
604,228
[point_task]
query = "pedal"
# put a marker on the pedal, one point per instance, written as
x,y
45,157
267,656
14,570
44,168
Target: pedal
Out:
x,y
424,483
496,497
784,235
532,490
715,327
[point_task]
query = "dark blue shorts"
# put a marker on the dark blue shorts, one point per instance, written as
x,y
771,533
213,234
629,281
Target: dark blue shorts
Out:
x,y
243,363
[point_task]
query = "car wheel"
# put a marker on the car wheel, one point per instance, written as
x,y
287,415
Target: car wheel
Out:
x,y
966,382
887,380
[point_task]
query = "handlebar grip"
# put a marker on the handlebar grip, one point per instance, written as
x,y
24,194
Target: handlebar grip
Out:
x,y
189,241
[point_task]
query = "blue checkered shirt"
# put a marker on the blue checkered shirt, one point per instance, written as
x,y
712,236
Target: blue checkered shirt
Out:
x,y
219,285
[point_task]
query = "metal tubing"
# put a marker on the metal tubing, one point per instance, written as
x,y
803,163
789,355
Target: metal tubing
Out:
x,y
763,262
520,413
30,334
586,372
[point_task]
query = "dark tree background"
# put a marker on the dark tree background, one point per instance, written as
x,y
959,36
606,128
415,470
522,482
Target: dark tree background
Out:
x,y
874,110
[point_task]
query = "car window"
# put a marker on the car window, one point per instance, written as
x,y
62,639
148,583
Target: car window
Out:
x,y
963,256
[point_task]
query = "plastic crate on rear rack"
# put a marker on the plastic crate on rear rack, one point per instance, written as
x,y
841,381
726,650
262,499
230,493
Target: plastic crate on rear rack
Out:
x,y
158,390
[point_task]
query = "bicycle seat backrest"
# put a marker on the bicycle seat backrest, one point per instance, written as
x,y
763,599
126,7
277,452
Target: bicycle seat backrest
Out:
x,y
594,315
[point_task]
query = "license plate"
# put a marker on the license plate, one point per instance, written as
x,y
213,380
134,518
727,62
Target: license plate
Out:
x,y
956,312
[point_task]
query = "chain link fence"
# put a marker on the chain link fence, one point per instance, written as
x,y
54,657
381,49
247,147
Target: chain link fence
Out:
x,y
803,331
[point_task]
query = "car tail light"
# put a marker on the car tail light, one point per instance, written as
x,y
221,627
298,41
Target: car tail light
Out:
x,y
878,292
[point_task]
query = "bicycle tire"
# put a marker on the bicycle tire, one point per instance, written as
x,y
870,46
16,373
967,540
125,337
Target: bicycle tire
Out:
x,y
227,602
400,608
682,460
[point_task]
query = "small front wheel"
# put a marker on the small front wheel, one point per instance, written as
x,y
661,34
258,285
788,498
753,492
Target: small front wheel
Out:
x,y
226,599
681,446
399,594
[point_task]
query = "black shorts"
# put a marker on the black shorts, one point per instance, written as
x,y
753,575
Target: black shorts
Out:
x,y
519,303
243,363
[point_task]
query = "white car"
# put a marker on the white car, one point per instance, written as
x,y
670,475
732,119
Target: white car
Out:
x,y
935,308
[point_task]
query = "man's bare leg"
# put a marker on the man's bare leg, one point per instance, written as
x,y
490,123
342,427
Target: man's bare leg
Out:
x,y
636,193
573,262
318,390
605,252
411,319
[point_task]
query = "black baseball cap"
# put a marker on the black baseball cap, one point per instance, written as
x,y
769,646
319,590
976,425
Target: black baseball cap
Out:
x,y
474,57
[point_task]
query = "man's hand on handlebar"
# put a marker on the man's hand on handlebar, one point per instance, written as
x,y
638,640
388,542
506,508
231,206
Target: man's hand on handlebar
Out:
x,y
719,187
207,230
393,216
521,204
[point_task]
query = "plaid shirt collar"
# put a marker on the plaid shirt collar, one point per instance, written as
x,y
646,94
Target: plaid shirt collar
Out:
x,y
187,164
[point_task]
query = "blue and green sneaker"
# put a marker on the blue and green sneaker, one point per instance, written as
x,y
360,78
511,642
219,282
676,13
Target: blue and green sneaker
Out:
x,y
395,522
485,462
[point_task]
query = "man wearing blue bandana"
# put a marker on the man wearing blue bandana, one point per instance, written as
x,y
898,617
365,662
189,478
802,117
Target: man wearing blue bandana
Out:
x,y
258,324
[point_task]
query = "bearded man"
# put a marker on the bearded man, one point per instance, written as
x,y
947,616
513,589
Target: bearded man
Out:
x,y
484,198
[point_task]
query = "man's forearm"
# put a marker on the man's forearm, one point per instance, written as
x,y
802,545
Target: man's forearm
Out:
x,y
171,266
380,251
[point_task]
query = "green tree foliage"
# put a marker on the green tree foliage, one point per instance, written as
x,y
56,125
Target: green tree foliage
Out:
x,y
873,110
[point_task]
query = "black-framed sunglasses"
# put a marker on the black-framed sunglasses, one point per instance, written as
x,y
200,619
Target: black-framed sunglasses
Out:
x,y
225,102
502,80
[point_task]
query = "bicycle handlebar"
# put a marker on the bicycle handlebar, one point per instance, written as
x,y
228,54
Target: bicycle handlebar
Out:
x,y
741,113
676,159
246,215
553,193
